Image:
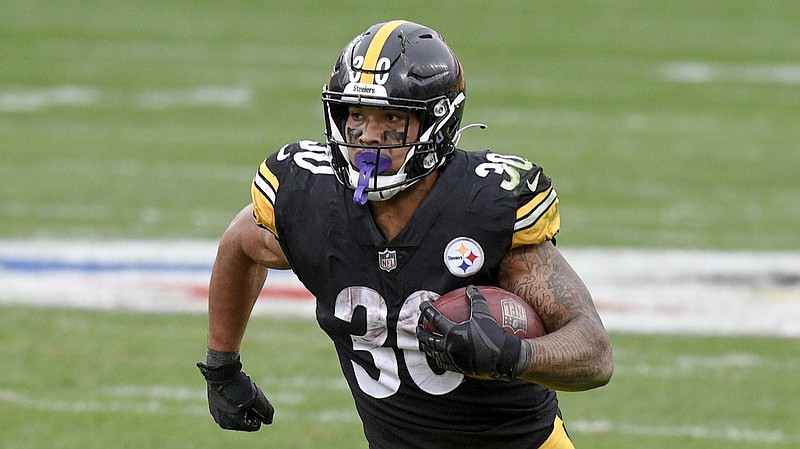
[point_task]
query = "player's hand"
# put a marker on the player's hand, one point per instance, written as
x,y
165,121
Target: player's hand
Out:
x,y
477,347
235,402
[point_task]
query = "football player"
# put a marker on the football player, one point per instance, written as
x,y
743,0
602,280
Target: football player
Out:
x,y
381,219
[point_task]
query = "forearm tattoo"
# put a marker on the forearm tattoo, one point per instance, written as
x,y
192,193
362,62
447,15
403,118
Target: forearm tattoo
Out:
x,y
544,279
579,354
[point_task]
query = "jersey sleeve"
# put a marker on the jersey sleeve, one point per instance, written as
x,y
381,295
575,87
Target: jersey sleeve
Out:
x,y
537,216
286,177
263,192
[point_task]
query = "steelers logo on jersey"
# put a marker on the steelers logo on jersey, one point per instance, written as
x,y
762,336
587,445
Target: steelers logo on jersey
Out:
x,y
463,257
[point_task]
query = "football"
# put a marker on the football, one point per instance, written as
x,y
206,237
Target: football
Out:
x,y
512,313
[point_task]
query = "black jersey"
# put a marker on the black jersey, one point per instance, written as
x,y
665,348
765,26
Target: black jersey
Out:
x,y
368,289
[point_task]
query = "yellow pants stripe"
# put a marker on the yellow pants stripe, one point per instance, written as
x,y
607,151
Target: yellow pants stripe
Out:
x,y
559,438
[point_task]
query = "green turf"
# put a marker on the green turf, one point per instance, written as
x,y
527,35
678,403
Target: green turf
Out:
x,y
582,88
125,147
77,379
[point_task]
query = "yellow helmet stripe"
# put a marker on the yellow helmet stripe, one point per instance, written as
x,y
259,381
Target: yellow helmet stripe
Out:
x,y
374,50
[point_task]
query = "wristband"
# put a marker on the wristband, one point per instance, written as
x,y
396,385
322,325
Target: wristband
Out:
x,y
215,359
525,358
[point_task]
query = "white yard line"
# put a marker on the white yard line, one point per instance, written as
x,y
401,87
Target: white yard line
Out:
x,y
699,432
34,99
694,291
651,291
697,72
151,400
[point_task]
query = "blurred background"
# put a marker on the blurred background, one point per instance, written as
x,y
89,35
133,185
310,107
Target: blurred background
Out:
x,y
666,125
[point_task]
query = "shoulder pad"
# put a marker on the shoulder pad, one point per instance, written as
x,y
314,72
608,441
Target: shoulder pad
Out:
x,y
537,218
292,160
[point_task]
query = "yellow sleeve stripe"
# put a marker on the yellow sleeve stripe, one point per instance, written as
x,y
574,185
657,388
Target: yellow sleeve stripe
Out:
x,y
538,220
266,182
263,191
375,48
530,212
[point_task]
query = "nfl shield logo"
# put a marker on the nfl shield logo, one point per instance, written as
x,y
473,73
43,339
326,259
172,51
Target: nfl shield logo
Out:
x,y
387,260
514,315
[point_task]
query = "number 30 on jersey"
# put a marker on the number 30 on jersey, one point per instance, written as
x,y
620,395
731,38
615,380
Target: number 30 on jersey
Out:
x,y
385,358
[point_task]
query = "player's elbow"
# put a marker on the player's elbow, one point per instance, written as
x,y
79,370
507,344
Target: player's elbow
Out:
x,y
603,364
605,367
596,366
598,357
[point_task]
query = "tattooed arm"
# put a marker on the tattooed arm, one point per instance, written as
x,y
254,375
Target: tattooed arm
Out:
x,y
576,354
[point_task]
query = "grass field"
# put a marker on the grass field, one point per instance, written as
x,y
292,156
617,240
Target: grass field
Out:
x,y
77,379
664,125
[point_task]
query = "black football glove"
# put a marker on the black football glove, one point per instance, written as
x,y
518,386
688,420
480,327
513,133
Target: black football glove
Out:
x,y
235,402
477,347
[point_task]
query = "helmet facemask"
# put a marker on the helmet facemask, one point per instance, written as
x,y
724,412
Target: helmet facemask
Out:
x,y
368,173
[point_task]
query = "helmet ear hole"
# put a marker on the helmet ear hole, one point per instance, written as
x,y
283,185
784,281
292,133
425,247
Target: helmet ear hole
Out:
x,y
428,161
422,163
440,109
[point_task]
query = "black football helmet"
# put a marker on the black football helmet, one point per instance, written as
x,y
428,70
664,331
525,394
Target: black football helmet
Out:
x,y
402,66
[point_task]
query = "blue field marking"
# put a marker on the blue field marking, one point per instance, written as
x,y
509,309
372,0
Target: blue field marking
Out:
x,y
21,265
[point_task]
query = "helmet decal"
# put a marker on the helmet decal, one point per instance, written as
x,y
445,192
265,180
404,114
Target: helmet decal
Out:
x,y
371,62
365,93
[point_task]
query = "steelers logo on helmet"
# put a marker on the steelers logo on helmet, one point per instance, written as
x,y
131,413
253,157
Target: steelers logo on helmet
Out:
x,y
463,257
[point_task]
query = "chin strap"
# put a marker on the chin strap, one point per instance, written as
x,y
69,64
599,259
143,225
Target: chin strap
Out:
x,y
367,164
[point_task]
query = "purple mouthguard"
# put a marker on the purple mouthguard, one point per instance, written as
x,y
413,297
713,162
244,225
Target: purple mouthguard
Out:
x,y
366,162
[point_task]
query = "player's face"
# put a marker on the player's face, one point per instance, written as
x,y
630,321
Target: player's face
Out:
x,y
367,125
